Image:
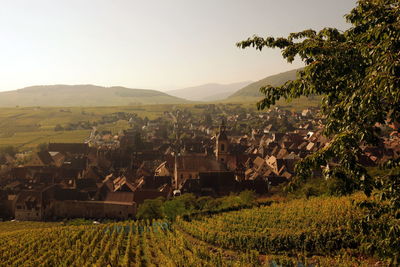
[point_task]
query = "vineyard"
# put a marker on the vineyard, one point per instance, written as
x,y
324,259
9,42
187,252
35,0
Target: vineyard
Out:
x,y
263,236
119,244
316,226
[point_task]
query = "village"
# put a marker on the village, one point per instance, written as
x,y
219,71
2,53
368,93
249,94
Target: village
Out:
x,y
109,175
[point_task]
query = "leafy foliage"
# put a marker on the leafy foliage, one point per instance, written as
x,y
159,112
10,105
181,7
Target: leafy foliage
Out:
x,y
150,209
358,74
187,204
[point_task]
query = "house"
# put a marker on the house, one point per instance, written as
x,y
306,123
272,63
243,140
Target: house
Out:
x,y
219,183
69,148
3,203
163,170
6,161
7,205
42,158
189,167
34,205
306,113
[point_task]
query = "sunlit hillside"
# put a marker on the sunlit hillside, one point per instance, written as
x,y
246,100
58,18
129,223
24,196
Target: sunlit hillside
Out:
x,y
83,95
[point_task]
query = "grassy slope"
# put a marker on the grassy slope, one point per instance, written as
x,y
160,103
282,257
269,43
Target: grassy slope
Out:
x,y
30,126
27,127
251,92
83,95
253,89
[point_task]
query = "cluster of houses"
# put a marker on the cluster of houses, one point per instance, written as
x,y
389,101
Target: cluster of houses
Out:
x,y
110,175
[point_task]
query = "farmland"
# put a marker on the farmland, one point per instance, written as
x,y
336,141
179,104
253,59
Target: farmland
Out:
x,y
162,243
26,127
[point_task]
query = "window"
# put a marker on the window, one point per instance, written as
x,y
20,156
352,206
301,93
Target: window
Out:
x,y
222,147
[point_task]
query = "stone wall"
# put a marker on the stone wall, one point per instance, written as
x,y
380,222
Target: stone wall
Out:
x,y
94,209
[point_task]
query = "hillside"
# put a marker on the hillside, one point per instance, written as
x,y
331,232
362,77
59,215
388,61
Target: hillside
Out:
x,y
26,127
251,92
301,232
83,95
208,92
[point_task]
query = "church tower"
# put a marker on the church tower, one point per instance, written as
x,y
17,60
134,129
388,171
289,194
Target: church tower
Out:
x,y
177,152
222,144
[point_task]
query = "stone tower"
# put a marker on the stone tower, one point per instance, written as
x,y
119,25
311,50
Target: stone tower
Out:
x,y
222,143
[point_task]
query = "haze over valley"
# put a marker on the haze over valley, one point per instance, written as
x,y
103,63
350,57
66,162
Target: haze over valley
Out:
x,y
92,95
200,133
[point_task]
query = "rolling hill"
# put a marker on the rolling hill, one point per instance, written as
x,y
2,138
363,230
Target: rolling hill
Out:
x,y
251,92
84,95
208,92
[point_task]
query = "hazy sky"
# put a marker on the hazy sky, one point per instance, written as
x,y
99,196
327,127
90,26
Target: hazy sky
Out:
x,y
164,44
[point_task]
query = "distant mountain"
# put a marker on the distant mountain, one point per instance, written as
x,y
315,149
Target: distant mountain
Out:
x,y
84,95
208,92
252,91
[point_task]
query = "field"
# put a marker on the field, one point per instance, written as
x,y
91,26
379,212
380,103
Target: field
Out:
x,y
295,104
316,226
117,244
27,127
316,232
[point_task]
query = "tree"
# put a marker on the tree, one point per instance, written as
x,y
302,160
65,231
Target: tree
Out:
x,y
150,209
174,208
189,200
208,203
358,74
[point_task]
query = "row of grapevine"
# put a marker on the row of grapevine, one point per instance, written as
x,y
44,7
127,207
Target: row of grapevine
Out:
x,y
116,244
282,234
9,227
316,226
